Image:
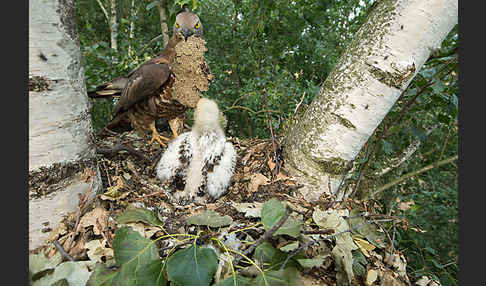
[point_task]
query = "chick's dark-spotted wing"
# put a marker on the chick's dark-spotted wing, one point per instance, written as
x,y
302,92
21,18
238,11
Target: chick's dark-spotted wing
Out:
x,y
142,83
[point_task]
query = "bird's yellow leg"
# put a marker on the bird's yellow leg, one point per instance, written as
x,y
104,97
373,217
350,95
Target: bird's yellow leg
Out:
x,y
175,124
157,136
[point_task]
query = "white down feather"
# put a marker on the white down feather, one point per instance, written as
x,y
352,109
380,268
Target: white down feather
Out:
x,y
206,145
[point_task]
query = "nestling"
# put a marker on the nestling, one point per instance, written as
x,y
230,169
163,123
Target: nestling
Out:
x,y
201,159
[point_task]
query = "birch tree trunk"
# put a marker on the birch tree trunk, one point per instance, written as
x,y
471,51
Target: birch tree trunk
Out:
x,y
162,6
114,26
60,132
385,55
131,34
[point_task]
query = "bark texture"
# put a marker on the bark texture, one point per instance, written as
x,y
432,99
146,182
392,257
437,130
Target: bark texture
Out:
x,y
60,142
385,55
114,26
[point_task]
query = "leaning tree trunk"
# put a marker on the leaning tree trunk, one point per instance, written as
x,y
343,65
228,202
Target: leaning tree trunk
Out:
x,y
61,149
384,56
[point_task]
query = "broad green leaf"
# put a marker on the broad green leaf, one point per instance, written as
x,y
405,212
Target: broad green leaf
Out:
x,y
129,246
151,274
285,277
290,247
102,276
310,262
210,218
133,252
273,210
192,266
139,215
269,255
237,280
359,263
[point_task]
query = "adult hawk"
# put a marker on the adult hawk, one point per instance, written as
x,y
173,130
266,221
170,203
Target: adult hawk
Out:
x,y
164,86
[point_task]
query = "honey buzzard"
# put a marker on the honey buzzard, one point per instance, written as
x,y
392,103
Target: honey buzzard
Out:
x,y
164,86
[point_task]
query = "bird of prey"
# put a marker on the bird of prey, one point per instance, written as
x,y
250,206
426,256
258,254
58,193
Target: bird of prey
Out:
x,y
200,161
150,91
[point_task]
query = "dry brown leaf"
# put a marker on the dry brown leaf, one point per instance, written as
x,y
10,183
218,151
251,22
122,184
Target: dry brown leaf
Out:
x,y
257,180
271,164
98,248
405,205
90,219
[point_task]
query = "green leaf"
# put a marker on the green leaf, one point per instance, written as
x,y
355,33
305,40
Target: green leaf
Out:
x,y
210,218
237,280
359,263
139,215
290,247
134,252
285,277
192,266
268,254
310,262
273,210
102,276
151,274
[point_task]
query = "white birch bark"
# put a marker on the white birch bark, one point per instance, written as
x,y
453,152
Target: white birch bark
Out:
x,y
60,131
384,56
113,26
131,34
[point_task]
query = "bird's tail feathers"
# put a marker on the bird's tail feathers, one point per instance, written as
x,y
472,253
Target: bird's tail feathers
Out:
x,y
109,89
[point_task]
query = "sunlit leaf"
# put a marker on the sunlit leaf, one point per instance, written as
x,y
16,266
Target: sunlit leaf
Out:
x,y
192,266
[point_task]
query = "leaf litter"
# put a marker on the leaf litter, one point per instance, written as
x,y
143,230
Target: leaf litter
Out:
x,y
134,229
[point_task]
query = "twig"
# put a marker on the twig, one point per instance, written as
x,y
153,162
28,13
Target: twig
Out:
x,y
274,149
267,234
121,147
63,252
98,225
300,102
414,173
81,208
305,245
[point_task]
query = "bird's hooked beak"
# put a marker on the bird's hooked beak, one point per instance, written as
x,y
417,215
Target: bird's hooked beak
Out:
x,y
187,33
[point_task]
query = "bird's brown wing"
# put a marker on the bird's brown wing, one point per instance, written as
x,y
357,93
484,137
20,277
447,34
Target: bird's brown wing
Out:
x,y
142,83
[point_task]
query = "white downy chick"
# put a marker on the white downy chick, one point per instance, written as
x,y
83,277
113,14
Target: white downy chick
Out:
x,y
202,156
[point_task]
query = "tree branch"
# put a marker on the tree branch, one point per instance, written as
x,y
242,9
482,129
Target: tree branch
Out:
x,y
121,147
409,151
104,11
414,173
267,234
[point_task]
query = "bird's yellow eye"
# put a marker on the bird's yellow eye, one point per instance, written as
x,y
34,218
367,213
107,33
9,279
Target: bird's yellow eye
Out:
x,y
177,25
197,25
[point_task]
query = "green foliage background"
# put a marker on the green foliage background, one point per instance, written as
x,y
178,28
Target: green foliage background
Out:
x,y
274,54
